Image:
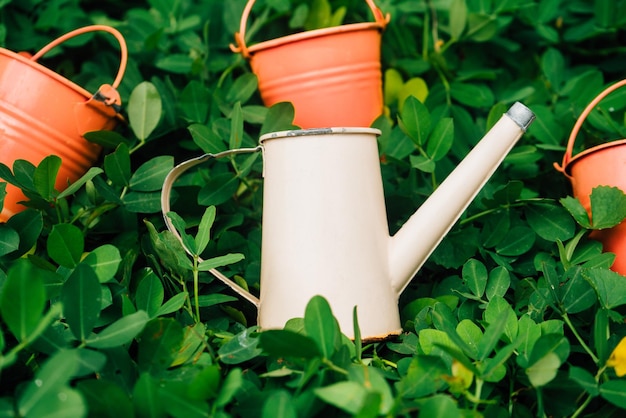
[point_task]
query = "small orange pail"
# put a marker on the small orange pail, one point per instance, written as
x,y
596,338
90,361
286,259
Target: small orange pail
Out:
x,y
603,165
43,113
332,75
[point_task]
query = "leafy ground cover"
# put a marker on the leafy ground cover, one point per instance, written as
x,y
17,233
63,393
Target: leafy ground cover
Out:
x,y
516,313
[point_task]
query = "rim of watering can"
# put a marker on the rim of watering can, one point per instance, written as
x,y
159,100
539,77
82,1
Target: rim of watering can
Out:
x,y
32,60
568,159
318,131
381,20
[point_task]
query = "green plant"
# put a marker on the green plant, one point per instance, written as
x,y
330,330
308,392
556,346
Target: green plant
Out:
x,y
102,311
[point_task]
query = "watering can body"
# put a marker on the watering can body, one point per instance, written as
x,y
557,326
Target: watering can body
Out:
x,y
325,229
325,226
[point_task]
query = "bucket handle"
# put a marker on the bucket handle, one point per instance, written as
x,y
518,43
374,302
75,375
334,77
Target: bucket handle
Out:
x,y
94,28
165,209
240,37
567,157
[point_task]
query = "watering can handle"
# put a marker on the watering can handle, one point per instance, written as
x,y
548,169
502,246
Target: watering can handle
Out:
x,y
95,28
165,209
240,37
572,138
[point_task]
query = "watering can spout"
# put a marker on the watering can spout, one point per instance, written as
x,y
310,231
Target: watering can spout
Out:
x,y
411,246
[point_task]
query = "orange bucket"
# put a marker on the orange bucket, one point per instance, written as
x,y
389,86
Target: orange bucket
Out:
x,y
332,75
43,113
603,165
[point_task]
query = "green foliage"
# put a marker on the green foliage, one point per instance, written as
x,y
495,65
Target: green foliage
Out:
x,y
103,311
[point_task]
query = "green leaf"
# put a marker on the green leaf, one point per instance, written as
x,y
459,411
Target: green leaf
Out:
x,y
518,241
553,66
550,222
206,139
74,187
174,304
149,294
499,282
106,139
65,245
414,87
218,189
544,370
415,120
481,27
608,207
105,398
441,139
242,347
105,261
576,209
471,334
144,109
279,404
120,332
422,163
232,384
194,101
51,382
473,95
279,118
150,175
236,127
601,335
347,396
175,63
9,240
585,379
117,166
219,261
81,298
609,286
204,229
242,89
319,15
204,301
142,202
492,335
614,391
423,377
458,18
146,398
158,344
45,176
321,325
475,276
285,343
440,406
181,227
576,294
23,299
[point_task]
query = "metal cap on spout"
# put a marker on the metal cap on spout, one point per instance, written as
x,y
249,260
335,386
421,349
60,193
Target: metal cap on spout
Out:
x,y
521,115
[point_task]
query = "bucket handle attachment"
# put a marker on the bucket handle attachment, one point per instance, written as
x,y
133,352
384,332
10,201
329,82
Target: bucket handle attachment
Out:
x,y
106,93
165,209
567,157
240,37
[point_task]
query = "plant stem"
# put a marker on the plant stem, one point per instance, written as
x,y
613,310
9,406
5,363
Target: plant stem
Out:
x,y
196,287
579,338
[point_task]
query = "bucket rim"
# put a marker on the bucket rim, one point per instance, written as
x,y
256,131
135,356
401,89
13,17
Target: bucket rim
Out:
x,y
567,169
311,34
294,133
46,71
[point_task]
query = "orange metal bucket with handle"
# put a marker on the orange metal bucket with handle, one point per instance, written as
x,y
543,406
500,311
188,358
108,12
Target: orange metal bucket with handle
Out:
x,y
603,165
42,113
332,76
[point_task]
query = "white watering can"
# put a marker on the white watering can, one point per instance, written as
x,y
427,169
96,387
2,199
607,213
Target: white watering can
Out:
x,y
325,226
